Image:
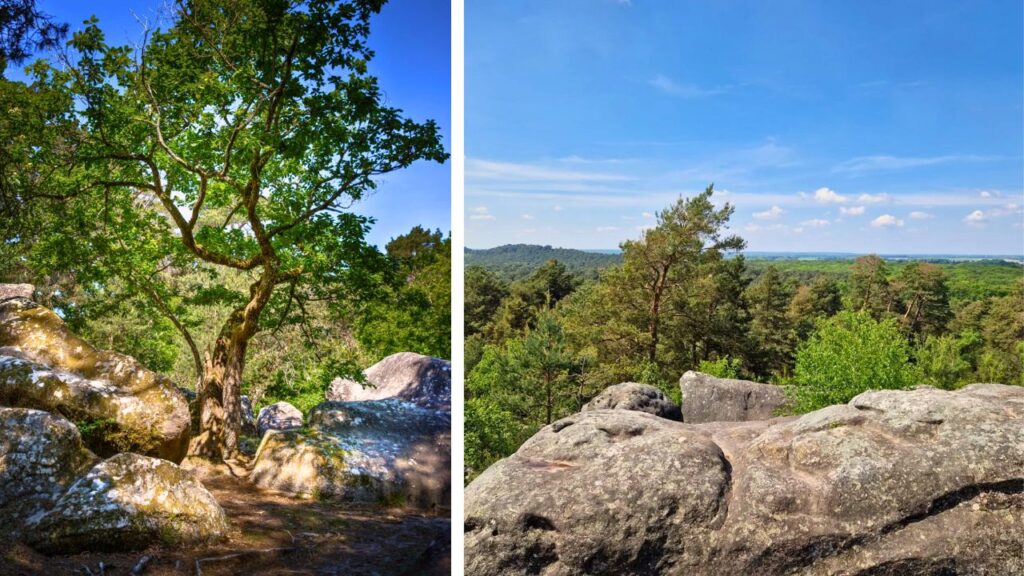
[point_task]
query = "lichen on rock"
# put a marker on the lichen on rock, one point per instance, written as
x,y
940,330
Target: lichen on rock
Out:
x,y
129,502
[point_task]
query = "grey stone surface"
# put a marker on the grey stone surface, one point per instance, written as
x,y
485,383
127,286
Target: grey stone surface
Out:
x,y
388,451
40,456
407,376
639,397
44,365
129,502
278,416
894,482
8,291
706,398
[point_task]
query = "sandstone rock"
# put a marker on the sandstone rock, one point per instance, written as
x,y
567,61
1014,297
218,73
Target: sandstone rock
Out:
x,y
639,397
40,455
8,291
43,365
706,398
895,482
278,416
129,502
387,451
407,376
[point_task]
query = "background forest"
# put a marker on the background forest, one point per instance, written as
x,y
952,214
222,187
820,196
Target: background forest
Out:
x,y
540,344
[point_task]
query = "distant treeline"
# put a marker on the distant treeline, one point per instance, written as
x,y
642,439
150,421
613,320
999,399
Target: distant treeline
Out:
x,y
517,261
966,279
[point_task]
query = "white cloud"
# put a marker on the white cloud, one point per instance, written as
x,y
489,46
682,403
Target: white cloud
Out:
x,y
985,194
481,213
815,223
976,217
886,221
827,196
480,169
607,228
770,214
916,215
863,164
684,90
873,198
527,217
557,208
851,211
648,215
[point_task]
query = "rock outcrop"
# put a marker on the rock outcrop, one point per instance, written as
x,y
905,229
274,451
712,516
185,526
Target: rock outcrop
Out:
x,y
129,502
894,482
639,397
278,416
40,456
125,406
706,398
388,451
8,291
416,378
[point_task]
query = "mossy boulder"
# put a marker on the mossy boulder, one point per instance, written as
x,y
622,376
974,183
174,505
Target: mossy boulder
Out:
x,y
124,406
386,451
129,502
40,456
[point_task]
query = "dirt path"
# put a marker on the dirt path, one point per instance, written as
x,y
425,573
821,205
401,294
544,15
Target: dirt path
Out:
x,y
274,534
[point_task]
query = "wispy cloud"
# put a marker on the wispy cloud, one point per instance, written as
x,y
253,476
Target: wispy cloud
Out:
x,y
481,213
684,89
918,215
852,210
772,213
491,170
815,223
879,163
873,198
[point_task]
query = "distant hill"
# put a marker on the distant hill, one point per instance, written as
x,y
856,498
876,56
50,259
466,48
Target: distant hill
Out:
x,y
968,277
515,261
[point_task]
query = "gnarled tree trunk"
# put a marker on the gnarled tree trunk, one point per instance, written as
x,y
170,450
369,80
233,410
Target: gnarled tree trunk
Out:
x,y
220,395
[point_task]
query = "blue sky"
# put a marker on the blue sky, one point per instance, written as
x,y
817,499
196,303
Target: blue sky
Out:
x,y
831,126
412,39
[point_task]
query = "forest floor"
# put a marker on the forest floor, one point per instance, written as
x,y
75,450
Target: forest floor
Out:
x,y
271,533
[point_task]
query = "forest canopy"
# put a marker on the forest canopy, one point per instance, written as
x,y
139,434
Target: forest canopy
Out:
x,y
543,339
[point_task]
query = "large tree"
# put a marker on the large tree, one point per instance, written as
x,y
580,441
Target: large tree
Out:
x,y
236,139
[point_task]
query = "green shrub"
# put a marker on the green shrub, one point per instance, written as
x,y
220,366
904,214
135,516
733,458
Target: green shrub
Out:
x,y
849,354
724,367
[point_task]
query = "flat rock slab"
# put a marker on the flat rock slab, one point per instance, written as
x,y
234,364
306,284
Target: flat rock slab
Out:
x,y
416,378
706,398
639,397
895,482
8,291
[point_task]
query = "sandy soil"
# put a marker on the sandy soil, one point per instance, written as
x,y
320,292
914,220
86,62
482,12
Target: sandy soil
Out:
x,y
273,534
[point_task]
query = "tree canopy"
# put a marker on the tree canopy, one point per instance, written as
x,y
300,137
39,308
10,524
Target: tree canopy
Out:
x,y
235,142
